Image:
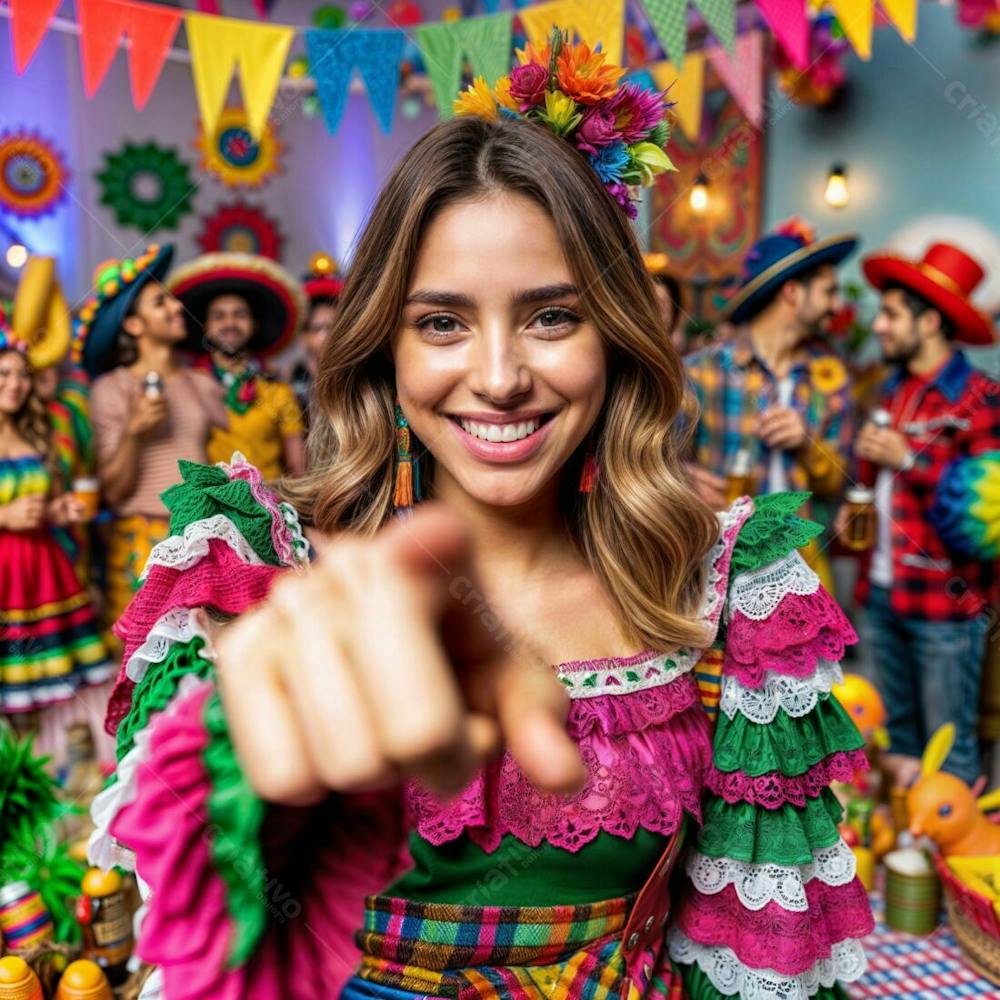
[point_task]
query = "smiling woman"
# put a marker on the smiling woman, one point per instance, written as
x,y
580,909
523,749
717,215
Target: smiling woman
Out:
x,y
497,710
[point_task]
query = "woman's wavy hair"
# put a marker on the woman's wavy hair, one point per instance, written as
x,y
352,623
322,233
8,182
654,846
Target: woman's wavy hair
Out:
x,y
32,421
643,529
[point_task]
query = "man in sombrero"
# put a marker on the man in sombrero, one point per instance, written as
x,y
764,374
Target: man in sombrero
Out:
x,y
774,398
148,409
932,578
240,308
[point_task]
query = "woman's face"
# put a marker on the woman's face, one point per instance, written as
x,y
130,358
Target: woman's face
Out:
x,y
498,372
15,382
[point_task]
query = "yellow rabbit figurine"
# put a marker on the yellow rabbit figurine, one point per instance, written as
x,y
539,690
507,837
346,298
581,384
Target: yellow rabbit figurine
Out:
x,y
945,809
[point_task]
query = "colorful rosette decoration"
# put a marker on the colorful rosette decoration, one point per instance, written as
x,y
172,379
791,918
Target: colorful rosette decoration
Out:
x,y
232,155
243,228
146,186
966,510
979,15
33,176
578,94
823,79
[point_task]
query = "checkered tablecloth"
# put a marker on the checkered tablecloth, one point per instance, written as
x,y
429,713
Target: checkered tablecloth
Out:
x,y
905,967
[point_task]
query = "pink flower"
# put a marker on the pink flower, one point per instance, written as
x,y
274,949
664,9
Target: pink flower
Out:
x,y
636,111
622,195
597,129
527,85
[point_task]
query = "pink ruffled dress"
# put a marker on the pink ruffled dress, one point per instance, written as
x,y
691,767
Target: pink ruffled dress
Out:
x,y
736,741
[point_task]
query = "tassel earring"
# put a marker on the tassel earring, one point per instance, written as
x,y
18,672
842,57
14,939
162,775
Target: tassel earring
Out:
x,y
588,475
407,468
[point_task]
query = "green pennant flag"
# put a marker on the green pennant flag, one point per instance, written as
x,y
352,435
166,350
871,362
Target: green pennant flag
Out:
x,y
669,21
485,41
720,16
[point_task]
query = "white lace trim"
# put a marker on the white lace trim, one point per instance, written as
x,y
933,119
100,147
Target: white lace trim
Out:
x,y
103,851
184,551
176,626
300,544
796,695
737,513
758,592
758,885
597,680
732,978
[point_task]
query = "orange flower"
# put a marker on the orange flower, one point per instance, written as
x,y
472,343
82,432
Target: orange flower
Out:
x,y
530,54
828,375
586,76
477,99
501,91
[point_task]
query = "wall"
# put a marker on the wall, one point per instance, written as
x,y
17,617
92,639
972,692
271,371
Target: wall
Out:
x,y
912,148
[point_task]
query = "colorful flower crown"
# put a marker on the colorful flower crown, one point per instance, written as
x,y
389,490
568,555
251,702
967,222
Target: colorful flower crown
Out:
x,y
110,278
620,127
8,342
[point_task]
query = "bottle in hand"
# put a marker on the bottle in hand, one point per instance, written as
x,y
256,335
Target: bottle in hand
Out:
x,y
859,534
740,480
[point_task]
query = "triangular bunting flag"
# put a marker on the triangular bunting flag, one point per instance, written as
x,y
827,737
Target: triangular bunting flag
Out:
x,y
857,18
720,16
259,50
685,87
742,74
263,7
669,21
151,29
788,20
484,40
903,14
596,23
29,20
209,6
333,57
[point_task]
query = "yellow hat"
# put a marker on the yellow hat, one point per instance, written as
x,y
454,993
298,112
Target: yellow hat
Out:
x,y
41,314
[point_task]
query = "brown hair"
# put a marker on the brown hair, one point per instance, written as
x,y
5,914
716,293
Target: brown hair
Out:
x,y
32,423
643,530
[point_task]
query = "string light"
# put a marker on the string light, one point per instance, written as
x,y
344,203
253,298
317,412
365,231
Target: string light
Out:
x,y
17,255
837,195
698,198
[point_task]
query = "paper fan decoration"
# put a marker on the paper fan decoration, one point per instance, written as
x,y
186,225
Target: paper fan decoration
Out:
x,y
147,186
33,175
234,156
237,226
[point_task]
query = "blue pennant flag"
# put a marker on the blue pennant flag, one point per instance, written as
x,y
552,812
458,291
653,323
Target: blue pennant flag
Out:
x,y
376,54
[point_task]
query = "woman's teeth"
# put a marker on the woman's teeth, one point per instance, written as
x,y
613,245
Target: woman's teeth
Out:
x,y
499,432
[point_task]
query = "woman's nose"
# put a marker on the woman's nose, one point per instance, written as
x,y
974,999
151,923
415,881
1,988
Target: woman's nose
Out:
x,y
499,371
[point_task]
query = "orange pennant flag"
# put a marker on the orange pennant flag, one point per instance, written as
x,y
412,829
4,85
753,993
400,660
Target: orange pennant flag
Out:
x,y
29,20
686,87
151,29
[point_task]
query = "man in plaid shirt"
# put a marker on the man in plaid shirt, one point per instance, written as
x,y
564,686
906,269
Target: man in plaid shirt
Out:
x,y
931,581
775,395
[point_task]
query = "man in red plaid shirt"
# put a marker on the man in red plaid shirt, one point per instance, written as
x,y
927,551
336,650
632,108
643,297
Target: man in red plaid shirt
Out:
x,y
930,585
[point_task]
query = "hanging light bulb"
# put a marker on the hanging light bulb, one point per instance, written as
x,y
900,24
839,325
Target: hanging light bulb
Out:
x,y
837,195
17,255
698,199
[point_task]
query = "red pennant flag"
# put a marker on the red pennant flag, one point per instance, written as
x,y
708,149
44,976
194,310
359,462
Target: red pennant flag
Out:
x,y
790,24
29,20
151,29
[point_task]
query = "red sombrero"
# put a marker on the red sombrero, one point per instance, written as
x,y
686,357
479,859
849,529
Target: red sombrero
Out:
x,y
275,297
946,278
323,280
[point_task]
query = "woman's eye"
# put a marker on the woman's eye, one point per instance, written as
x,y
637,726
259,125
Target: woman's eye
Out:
x,y
441,325
556,319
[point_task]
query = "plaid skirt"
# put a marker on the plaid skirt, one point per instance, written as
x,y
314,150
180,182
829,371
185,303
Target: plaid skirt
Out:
x,y
504,953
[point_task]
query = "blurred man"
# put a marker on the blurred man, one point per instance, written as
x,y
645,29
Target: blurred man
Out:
x,y
241,308
932,577
322,286
775,410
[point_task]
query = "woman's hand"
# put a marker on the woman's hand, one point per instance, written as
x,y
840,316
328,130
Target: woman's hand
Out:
x,y
374,666
23,514
65,509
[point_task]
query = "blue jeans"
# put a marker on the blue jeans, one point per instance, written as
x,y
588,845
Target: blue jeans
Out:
x,y
928,674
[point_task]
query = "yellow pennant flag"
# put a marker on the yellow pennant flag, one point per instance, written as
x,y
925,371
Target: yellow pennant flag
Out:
x,y
903,14
602,22
259,51
857,18
685,87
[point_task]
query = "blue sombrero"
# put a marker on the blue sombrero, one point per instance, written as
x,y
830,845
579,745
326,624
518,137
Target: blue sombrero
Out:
x,y
116,284
777,257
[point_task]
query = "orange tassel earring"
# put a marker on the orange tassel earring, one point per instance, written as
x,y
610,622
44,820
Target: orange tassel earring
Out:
x,y
407,467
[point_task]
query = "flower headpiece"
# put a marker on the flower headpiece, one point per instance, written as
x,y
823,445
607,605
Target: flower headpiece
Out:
x,y
8,342
110,278
620,127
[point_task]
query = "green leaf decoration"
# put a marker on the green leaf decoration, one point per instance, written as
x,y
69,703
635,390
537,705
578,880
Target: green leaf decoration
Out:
x,y
147,186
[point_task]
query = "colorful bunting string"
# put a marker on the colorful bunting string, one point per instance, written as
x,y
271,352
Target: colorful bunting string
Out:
x,y
790,24
29,20
903,14
333,57
857,18
742,74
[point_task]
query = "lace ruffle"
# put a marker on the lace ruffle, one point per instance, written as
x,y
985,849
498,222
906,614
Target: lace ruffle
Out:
x,y
788,942
183,551
757,593
789,835
621,676
620,714
803,630
732,978
796,697
731,523
636,780
773,531
178,626
758,885
771,791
